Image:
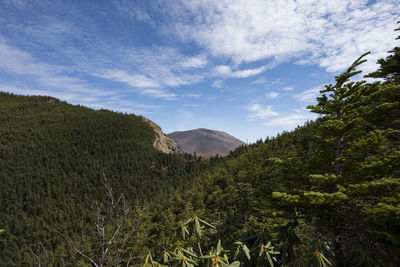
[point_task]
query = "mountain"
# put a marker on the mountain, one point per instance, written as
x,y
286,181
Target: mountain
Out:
x,y
205,142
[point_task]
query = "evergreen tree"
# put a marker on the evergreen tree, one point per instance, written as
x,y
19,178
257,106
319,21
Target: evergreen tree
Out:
x,y
363,185
389,67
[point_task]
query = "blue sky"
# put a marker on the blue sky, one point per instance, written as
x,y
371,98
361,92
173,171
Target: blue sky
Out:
x,y
247,67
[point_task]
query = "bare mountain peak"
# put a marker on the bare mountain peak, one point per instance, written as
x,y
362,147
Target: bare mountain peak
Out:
x,y
205,142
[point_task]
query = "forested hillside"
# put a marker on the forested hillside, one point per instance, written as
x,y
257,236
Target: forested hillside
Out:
x,y
53,159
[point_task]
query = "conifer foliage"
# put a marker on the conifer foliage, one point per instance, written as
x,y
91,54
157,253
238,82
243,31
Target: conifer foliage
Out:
x,y
358,199
390,66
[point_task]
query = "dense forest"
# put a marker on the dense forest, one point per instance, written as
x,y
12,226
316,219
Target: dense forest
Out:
x,y
86,188
54,159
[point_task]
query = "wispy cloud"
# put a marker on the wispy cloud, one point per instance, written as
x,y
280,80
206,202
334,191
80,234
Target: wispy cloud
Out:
x,y
158,93
290,121
261,80
226,71
135,9
55,81
287,88
260,112
272,95
330,33
192,95
167,65
192,105
217,84
22,64
268,117
134,80
194,62
309,95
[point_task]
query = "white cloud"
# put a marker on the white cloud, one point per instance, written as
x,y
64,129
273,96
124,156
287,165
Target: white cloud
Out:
x,y
289,121
330,33
192,105
167,66
15,61
21,64
226,71
134,80
261,112
260,80
287,88
217,83
309,95
192,95
158,93
55,82
284,120
272,95
135,9
194,62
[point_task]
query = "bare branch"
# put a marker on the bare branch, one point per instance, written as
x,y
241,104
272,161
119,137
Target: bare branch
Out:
x,y
71,243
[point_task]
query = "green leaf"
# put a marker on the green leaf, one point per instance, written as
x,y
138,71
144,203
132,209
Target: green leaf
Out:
x,y
189,253
183,232
198,228
206,223
236,252
261,251
207,257
219,247
325,259
270,260
246,251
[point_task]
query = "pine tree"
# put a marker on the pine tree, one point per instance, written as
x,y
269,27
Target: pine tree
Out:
x,y
389,67
360,122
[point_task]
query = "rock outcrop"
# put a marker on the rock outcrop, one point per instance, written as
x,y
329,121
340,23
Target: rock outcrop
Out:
x,y
163,142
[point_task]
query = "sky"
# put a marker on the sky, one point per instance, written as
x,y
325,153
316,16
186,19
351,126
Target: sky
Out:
x,y
249,67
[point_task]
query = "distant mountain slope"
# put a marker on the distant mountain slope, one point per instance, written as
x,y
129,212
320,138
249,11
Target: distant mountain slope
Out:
x,y
206,142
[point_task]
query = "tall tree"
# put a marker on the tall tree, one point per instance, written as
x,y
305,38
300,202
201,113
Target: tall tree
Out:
x,y
390,66
364,183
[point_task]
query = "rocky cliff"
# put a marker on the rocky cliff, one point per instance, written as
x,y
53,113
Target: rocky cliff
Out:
x,y
163,142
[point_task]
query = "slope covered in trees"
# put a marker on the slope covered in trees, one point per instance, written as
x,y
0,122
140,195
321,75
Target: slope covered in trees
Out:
x,y
53,158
